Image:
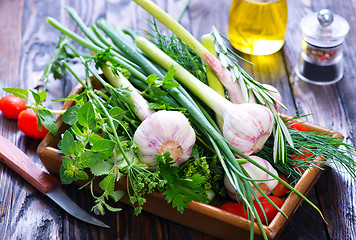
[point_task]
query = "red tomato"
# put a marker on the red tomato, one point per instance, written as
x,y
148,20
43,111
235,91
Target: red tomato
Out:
x,y
268,208
235,208
27,123
302,157
281,190
297,125
11,106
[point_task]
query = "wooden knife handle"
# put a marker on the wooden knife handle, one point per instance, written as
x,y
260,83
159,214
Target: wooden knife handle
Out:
x,y
18,161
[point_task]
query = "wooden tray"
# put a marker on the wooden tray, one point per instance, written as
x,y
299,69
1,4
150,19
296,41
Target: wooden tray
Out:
x,y
202,217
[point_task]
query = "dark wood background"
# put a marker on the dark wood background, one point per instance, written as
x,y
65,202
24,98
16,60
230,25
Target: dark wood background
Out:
x,y
26,44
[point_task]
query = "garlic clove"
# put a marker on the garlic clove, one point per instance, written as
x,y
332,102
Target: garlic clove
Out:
x,y
257,174
247,126
165,131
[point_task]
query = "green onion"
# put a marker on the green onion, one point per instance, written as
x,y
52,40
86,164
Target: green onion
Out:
x,y
207,41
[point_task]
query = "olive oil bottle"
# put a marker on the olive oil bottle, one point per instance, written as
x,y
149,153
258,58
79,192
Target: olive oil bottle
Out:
x,y
257,27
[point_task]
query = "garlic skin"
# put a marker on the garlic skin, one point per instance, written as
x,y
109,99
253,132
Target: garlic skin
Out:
x,y
247,126
257,174
165,131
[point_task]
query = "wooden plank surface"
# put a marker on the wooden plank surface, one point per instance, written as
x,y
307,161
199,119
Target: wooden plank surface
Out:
x,y
26,45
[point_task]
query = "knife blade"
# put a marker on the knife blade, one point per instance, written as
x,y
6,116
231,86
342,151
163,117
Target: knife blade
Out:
x,y
46,183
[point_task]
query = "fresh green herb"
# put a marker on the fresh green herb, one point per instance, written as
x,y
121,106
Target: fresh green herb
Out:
x,y
179,51
180,190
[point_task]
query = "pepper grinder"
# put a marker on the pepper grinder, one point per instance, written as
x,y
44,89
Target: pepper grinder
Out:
x,y
321,57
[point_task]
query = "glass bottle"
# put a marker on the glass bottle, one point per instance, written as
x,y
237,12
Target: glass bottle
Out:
x,y
257,27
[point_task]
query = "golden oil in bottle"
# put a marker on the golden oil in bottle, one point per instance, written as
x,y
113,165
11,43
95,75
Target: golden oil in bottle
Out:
x,y
258,26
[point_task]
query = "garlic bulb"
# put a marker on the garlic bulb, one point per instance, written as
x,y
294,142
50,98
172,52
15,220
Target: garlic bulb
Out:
x,y
247,126
257,174
165,131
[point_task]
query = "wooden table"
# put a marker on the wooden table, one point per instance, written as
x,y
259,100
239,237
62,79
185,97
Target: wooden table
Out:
x,y
26,43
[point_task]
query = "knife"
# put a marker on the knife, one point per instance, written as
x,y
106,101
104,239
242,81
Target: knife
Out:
x,y
46,183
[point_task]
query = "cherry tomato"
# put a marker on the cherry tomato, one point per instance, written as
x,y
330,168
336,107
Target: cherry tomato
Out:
x,y
297,125
281,190
268,208
11,106
27,123
235,208
300,158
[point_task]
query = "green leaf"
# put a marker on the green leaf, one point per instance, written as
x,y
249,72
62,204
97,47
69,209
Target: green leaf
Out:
x,y
68,144
157,93
117,195
67,163
86,116
151,79
117,113
39,96
36,97
108,183
180,190
70,174
18,92
112,209
76,131
39,123
47,120
168,80
79,147
94,138
90,158
170,84
81,175
101,168
104,147
70,116
64,179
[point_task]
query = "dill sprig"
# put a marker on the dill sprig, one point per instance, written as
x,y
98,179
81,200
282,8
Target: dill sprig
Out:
x,y
179,51
322,147
324,144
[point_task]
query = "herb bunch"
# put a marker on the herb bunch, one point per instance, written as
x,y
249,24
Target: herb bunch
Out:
x,y
99,143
